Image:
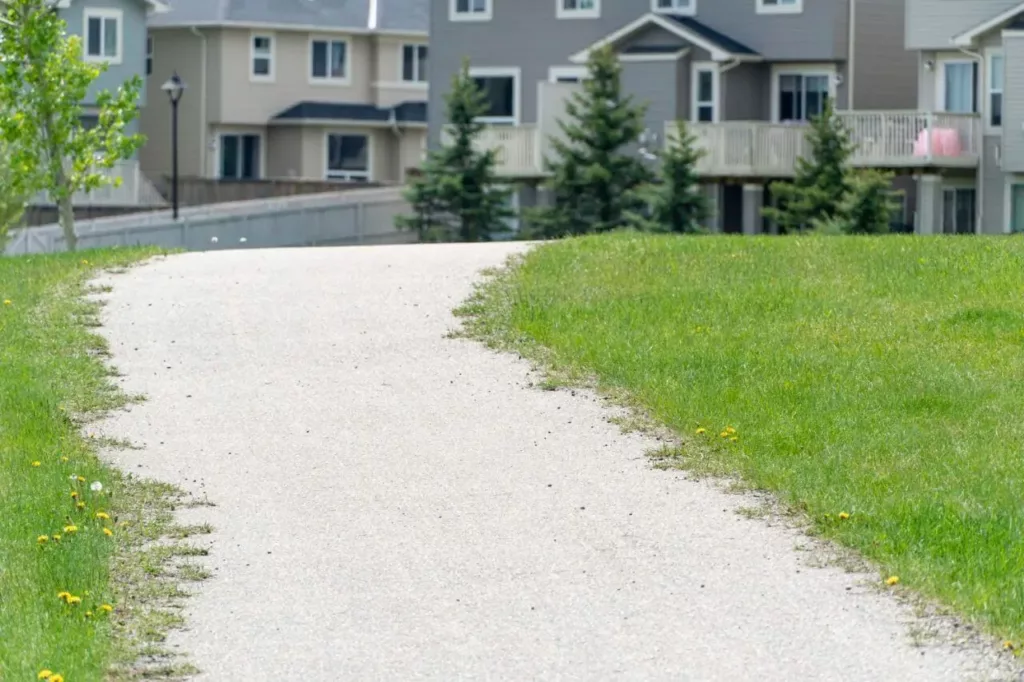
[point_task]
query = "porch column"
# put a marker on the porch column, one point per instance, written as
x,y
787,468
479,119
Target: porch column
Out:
x,y
713,192
753,201
929,205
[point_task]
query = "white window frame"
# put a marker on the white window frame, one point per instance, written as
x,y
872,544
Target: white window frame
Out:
x,y
991,53
517,79
695,69
418,68
328,79
562,13
486,15
780,70
271,57
796,8
1008,183
102,14
229,132
952,185
348,175
149,54
682,7
556,72
940,80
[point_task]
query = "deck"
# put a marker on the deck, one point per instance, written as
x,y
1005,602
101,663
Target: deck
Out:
x,y
758,149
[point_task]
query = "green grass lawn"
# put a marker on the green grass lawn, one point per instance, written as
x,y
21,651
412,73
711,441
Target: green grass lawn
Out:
x,y
51,373
881,377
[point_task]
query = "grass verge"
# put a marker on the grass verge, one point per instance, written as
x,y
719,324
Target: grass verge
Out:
x,y
874,384
85,586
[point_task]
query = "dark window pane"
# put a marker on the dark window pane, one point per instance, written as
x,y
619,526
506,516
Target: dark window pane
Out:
x,y
261,66
461,5
338,58
500,93
965,211
89,121
997,109
790,98
348,152
110,37
250,157
705,86
408,63
229,156
705,114
95,38
319,59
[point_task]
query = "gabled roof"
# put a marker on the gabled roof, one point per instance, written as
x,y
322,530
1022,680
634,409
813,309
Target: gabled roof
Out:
x,y
406,113
722,47
155,6
361,16
968,37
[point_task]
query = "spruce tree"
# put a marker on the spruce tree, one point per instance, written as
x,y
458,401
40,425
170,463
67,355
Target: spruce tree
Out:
x,y
868,206
456,196
596,182
821,182
676,201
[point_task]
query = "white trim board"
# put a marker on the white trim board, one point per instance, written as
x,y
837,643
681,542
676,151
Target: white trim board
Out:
x,y
655,57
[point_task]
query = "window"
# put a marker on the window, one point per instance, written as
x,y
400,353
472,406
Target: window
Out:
x,y
469,10
240,157
577,9
348,157
328,60
674,6
705,93
103,35
958,210
501,91
414,63
958,87
1016,208
149,55
567,74
262,57
802,96
780,6
996,65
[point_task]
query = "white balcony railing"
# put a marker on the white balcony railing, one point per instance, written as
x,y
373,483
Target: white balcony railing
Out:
x,y
882,139
518,149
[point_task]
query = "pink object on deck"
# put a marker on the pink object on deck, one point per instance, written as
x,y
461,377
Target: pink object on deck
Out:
x,y
945,142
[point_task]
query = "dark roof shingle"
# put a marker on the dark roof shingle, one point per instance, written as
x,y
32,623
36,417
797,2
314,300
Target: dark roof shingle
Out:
x,y
406,112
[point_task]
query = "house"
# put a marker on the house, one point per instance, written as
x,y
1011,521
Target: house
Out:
x,y
970,60
112,32
747,75
324,89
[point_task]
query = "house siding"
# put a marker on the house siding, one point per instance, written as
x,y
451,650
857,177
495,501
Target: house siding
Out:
x,y
654,84
818,34
931,23
746,93
1013,103
387,74
133,57
992,187
884,74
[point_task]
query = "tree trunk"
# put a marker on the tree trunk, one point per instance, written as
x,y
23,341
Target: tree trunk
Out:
x,y
67,222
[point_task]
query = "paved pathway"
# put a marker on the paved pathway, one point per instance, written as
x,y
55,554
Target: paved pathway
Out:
x,y
395,505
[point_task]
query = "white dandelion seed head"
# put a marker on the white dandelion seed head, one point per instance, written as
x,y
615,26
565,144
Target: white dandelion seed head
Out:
x,y
73,477
96,486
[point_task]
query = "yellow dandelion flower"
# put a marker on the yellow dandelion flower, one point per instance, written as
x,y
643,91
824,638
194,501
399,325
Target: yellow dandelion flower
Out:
x,y
43,539
63,596
85,262
73,600
108,532
701,431
892,580
734,439
730,430
44,674
724,434
1008,645
843,515
56,678
106,608
102,515
80,505
56,538
88,614
71,529
37,463
74,494
7,301
64,458
81,479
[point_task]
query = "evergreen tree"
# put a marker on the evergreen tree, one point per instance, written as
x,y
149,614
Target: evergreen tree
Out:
x,y
821,182
867,208
456,196
676,201
596,183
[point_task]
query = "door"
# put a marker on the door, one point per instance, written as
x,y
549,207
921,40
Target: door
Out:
x,y
732,209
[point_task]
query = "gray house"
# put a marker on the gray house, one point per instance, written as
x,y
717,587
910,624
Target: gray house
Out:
x,y
747,75
971,63
324,90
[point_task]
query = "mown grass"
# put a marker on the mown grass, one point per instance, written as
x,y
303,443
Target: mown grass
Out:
x,y
52,379
880,377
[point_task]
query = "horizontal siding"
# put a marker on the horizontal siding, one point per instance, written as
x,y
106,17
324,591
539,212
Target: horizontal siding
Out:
x,y
1013,103
931,23
884,73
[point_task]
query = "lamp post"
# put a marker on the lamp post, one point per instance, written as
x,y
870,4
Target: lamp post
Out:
x,y
175,88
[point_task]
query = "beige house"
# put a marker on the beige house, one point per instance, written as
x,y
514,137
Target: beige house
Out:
x,y
332,90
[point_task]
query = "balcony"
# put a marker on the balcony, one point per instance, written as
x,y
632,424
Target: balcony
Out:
x,y
882,139
758,149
